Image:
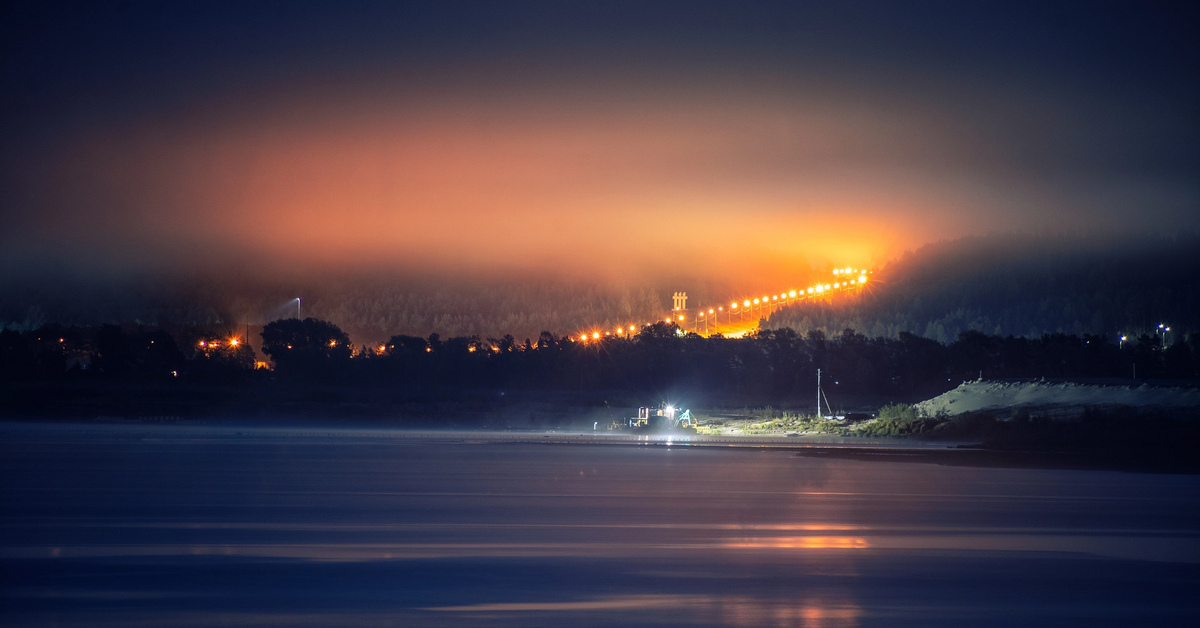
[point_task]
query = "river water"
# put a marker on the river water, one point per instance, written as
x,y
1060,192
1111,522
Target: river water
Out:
x,y
169,525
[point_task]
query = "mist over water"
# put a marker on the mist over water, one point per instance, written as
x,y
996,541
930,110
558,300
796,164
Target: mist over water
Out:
x,y
115,525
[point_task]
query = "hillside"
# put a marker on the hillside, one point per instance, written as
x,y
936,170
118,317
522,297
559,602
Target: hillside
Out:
x,y
1022,286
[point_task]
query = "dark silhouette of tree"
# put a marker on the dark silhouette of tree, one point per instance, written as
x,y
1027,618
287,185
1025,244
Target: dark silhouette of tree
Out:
x,y
308,347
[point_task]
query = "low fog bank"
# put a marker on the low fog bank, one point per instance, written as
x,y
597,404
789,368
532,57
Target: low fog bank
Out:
x,y
370,305
1019,285
1022,285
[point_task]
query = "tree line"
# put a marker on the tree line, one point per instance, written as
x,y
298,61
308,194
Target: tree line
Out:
x,y
771,366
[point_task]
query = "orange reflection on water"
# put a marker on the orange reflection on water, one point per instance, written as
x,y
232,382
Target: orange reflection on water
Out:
x,y
801,542
807,613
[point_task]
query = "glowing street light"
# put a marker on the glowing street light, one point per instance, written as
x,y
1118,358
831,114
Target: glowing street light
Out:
x,y
297,308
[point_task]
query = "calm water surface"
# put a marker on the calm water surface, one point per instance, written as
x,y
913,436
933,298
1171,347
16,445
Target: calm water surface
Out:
x,y
152,526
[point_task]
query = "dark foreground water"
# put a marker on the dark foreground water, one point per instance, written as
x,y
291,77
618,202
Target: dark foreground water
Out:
x,y
130,526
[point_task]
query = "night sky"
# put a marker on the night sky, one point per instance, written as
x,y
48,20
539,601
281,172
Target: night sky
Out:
x,y
615,141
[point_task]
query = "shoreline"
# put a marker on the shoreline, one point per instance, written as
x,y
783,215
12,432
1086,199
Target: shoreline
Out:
x,y
878,449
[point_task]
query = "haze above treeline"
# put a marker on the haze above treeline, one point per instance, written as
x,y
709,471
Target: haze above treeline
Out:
x,y
1018,285
516,167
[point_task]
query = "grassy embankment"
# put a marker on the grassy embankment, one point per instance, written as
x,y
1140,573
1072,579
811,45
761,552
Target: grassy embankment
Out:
x,y
1094,428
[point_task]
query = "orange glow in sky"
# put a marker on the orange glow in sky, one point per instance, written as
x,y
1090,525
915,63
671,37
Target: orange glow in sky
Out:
x,y
721,189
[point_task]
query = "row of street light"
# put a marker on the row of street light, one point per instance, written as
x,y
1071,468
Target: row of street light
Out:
x,y
844,279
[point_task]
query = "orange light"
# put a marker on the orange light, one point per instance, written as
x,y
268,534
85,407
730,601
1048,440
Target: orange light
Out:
x,y
774,298
792,294
862,279
710,310
202,344
333,343
595,335
235,342
681,317
819,289
382,348
756,300
746,303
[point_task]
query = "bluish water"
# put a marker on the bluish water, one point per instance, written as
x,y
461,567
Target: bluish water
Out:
x,y
140,526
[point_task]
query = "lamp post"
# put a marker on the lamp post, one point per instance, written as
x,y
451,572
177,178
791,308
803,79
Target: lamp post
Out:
x,y
298,317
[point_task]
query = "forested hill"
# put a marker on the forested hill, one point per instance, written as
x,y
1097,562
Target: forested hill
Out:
x,y
1022,286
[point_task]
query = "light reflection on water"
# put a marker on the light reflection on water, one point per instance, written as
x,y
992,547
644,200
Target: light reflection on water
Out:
x,y
729,610
289,530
